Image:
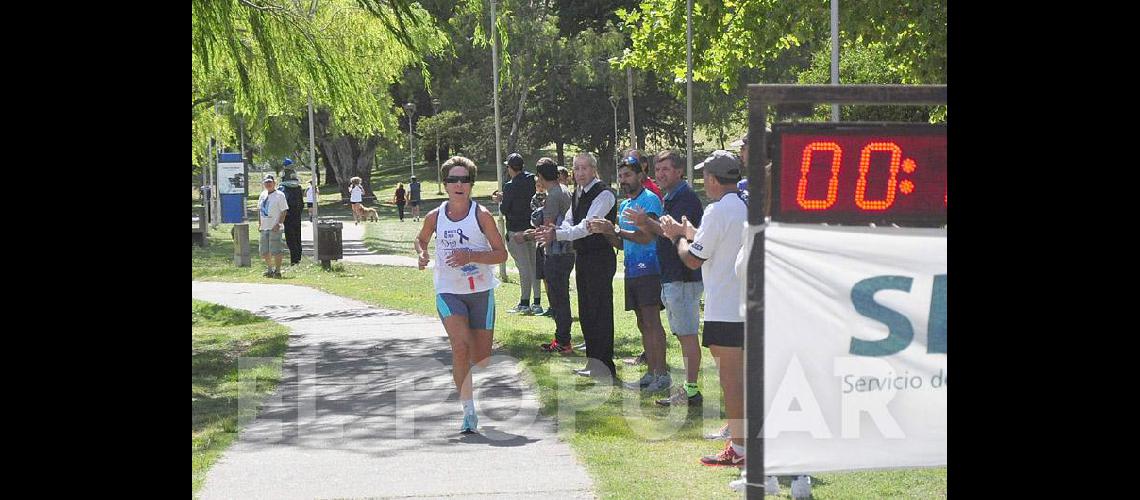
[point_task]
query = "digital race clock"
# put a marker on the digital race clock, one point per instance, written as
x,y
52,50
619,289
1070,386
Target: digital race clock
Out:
x,y
859,173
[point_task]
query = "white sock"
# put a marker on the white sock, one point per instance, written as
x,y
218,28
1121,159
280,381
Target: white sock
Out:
x,y
739,449
468,406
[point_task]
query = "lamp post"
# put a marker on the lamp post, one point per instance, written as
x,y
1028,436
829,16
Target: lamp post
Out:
x,y
617,153
410,110
438,175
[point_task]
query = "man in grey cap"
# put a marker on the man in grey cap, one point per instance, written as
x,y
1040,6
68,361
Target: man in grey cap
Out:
x,y
272,207
714,248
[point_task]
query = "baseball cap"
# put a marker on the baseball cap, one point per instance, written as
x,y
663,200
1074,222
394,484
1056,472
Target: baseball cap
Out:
x,y
722,163
287,162
739,143
268,178
630,160
514,160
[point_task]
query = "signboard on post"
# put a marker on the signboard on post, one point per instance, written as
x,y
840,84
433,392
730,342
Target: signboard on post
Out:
x,y
855,358
845,343
232,186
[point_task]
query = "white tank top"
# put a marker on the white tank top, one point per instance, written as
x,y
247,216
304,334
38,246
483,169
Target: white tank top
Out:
x,y
451,235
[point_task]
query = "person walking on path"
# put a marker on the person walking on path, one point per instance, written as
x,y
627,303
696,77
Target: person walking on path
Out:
x,y
514,203
401,199
467,245
272,208
596,263
356,197
414,192
714,248
291,186
311,199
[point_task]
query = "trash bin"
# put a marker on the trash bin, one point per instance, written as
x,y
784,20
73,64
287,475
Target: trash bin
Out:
x,y
329,246
240,233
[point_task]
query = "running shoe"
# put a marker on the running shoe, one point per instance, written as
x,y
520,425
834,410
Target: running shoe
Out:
x,y
726,458
681,398
521,308
721,434
549,313
536,310
470,423
641,383
639,360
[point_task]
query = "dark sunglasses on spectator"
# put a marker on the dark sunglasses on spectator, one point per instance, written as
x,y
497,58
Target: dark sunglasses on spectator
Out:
x,y
451,179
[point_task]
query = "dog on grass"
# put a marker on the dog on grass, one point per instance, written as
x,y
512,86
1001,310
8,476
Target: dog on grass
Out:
x,y
370,214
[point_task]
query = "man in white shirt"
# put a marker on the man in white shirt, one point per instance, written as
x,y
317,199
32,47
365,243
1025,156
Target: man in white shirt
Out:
x,y
596,263
272,208
714,248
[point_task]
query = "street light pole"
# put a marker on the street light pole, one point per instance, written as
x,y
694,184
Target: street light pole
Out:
x,y
410,110
617,153
689,91
438,174
315,182
498,128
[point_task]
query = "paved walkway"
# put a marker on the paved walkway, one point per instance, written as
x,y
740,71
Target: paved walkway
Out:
x,y
366,408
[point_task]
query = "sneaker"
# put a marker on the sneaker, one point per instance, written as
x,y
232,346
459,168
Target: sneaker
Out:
x,y
681,398
726,458
582,372
564,350
549,346
581,347
277,273
639,360
641,383
268,273
536,310
470,423
519,309
721,434
549,313
660,383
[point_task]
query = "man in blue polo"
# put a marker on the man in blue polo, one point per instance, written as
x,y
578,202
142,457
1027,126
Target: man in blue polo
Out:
x,y
642,270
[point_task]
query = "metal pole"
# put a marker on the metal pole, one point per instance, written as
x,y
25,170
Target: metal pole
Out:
x,y
835,54
411,157
316,183
629,90
438,165
241,126
754,317
617,153
689,91
498,140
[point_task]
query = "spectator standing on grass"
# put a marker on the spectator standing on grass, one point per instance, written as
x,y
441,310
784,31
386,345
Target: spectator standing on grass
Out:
x,y
414,192
272,208
401,199
291,186
559,259
714,248
514,203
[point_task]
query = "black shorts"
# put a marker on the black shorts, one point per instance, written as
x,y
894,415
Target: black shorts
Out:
x,y
308,204
643,291
723,333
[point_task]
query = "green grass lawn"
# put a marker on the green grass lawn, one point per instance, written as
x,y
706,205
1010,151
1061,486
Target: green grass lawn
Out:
x,y
610,442
220,336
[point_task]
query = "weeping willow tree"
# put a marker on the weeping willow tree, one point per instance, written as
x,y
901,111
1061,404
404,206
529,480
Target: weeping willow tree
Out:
x,y
267,57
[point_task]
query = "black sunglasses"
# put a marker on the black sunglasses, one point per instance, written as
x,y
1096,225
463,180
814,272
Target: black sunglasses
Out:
x,y
451,179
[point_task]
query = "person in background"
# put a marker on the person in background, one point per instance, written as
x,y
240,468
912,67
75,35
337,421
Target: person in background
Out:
x,y
514,203
291,186
401,199
414,197
271,208
356,197
311,199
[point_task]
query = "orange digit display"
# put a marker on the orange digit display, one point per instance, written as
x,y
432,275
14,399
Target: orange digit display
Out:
x,y
899,175
865,165
832,181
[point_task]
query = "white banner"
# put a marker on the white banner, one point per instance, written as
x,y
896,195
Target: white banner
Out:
x,y
231,178
855,348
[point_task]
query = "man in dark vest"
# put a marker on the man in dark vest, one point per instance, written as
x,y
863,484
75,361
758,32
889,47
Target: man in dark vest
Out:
x,y
291,186
595,262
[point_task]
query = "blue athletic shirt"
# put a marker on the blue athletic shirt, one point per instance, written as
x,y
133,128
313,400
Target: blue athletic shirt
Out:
x,y
640,260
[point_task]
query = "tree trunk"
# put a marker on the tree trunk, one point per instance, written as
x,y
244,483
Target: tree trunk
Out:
x,y
513,138
561,154
345,156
